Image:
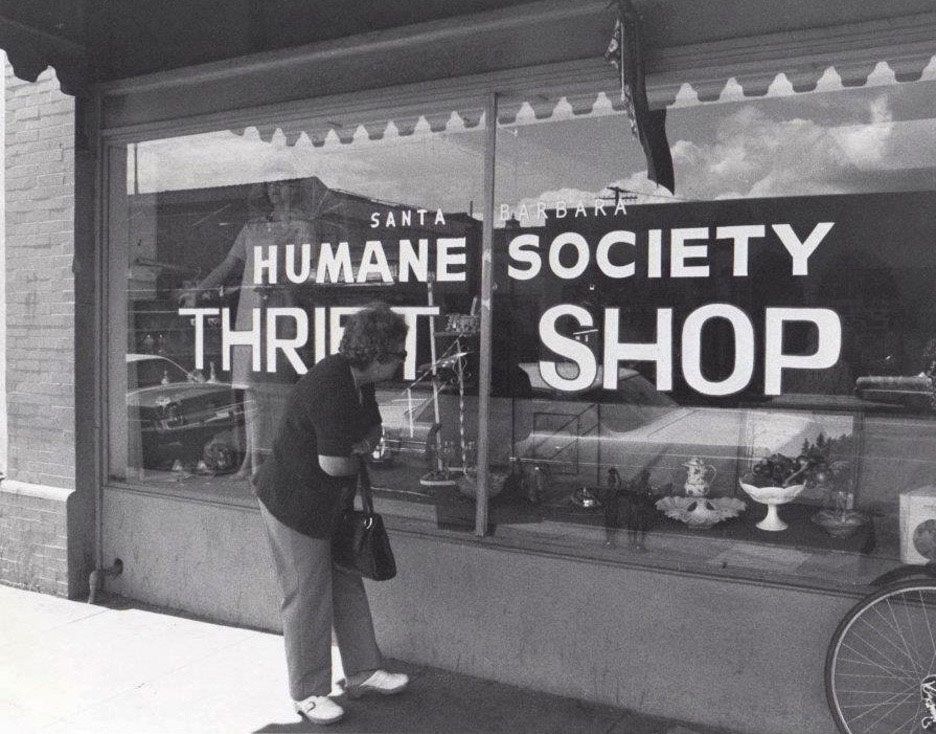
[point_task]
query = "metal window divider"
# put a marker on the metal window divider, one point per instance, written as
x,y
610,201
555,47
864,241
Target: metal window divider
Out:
x,y
484,345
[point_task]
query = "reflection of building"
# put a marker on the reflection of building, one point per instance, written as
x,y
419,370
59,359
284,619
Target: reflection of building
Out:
x,y
190,231
565,611
186,232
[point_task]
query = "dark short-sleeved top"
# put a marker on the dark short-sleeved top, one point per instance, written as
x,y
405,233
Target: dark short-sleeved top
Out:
x,y
323,416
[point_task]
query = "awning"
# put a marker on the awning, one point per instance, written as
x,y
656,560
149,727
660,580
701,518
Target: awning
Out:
x,y
709,46
89,41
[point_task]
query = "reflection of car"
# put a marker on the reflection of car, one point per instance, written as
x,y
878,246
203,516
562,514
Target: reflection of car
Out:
x,y
177,414
917,392
645,429
581,434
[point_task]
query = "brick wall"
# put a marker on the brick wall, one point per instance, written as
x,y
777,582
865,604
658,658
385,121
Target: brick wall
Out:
x,y
33,537
40,338
40,169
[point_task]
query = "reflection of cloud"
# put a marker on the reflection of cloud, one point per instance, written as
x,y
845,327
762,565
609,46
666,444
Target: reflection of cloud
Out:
x,y
759,156
846,143
754,155
866,144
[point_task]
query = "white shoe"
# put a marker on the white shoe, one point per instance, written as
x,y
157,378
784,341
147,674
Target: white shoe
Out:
x,y
319,709
380,682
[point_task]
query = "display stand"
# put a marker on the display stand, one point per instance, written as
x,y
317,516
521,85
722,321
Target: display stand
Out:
x,y
459,329
441,475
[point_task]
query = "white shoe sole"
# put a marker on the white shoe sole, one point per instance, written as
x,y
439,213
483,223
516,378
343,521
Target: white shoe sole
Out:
x,y
358,691
320,722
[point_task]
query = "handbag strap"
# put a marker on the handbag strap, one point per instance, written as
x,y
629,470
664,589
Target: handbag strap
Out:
x,y
364,487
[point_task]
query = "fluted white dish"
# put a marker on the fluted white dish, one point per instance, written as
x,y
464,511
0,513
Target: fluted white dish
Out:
x,y
700,513
772,496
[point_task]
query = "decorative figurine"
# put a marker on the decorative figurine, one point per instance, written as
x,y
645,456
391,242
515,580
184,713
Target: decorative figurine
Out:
x,y
638,511
440,476
535,485
586,498
515,483
611,501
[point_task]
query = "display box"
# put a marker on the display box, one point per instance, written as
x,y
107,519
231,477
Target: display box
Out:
x,y
916,507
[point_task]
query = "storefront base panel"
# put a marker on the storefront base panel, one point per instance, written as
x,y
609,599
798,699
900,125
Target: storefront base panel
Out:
x,y
741,655
207,559
42,539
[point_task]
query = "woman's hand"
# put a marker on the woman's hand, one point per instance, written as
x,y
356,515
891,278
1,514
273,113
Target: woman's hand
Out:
x,y
363,447
370,442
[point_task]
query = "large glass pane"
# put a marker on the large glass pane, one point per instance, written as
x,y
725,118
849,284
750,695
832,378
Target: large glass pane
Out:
x,y
655,352
238,253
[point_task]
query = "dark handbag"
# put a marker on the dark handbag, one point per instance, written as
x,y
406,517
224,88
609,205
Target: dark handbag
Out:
x,y
360,541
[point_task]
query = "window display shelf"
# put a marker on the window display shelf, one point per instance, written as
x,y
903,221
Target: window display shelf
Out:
x,y
664,549
455,510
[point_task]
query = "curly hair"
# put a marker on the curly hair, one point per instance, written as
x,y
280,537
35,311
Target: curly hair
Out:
x,y
372,334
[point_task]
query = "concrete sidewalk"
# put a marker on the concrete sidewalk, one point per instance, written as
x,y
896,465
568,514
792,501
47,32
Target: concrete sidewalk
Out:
x,y
67,666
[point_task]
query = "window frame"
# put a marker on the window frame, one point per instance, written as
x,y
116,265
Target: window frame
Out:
x,y
474,91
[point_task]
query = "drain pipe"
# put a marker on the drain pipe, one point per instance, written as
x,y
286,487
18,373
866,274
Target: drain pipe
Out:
x,y
98,575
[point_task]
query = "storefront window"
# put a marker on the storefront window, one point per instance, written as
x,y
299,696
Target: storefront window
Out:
x,y
236,255
655,352
658,359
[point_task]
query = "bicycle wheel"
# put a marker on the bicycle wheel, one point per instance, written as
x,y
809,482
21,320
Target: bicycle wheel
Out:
x,y
880,670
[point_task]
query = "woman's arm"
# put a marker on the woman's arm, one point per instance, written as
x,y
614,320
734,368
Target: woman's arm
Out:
x,y
373,420
333,411
339,466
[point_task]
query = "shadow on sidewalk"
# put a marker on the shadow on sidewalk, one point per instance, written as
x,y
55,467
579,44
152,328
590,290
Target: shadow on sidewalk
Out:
x,y
440,701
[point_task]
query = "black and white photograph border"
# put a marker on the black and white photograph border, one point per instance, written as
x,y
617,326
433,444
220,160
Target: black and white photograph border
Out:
x,y
474,366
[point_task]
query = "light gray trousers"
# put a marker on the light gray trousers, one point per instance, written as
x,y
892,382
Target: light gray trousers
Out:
x,y
318,595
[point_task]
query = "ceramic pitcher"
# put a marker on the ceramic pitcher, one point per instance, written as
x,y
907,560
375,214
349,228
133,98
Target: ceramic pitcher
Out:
x,y
699,476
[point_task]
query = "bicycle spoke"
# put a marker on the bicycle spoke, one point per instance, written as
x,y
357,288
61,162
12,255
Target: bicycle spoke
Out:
x,y
901,651
903,695
929,629
905,678
895,626
906,698
910,627
920,712
910,647
913,722
856,691
885,662
866,697
891,671
897,672
899,632
876,608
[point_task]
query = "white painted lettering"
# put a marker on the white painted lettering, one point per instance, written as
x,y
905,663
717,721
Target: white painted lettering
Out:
x,y
579,354
659,352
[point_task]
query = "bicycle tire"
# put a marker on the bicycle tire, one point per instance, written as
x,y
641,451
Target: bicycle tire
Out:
x,y
889,638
